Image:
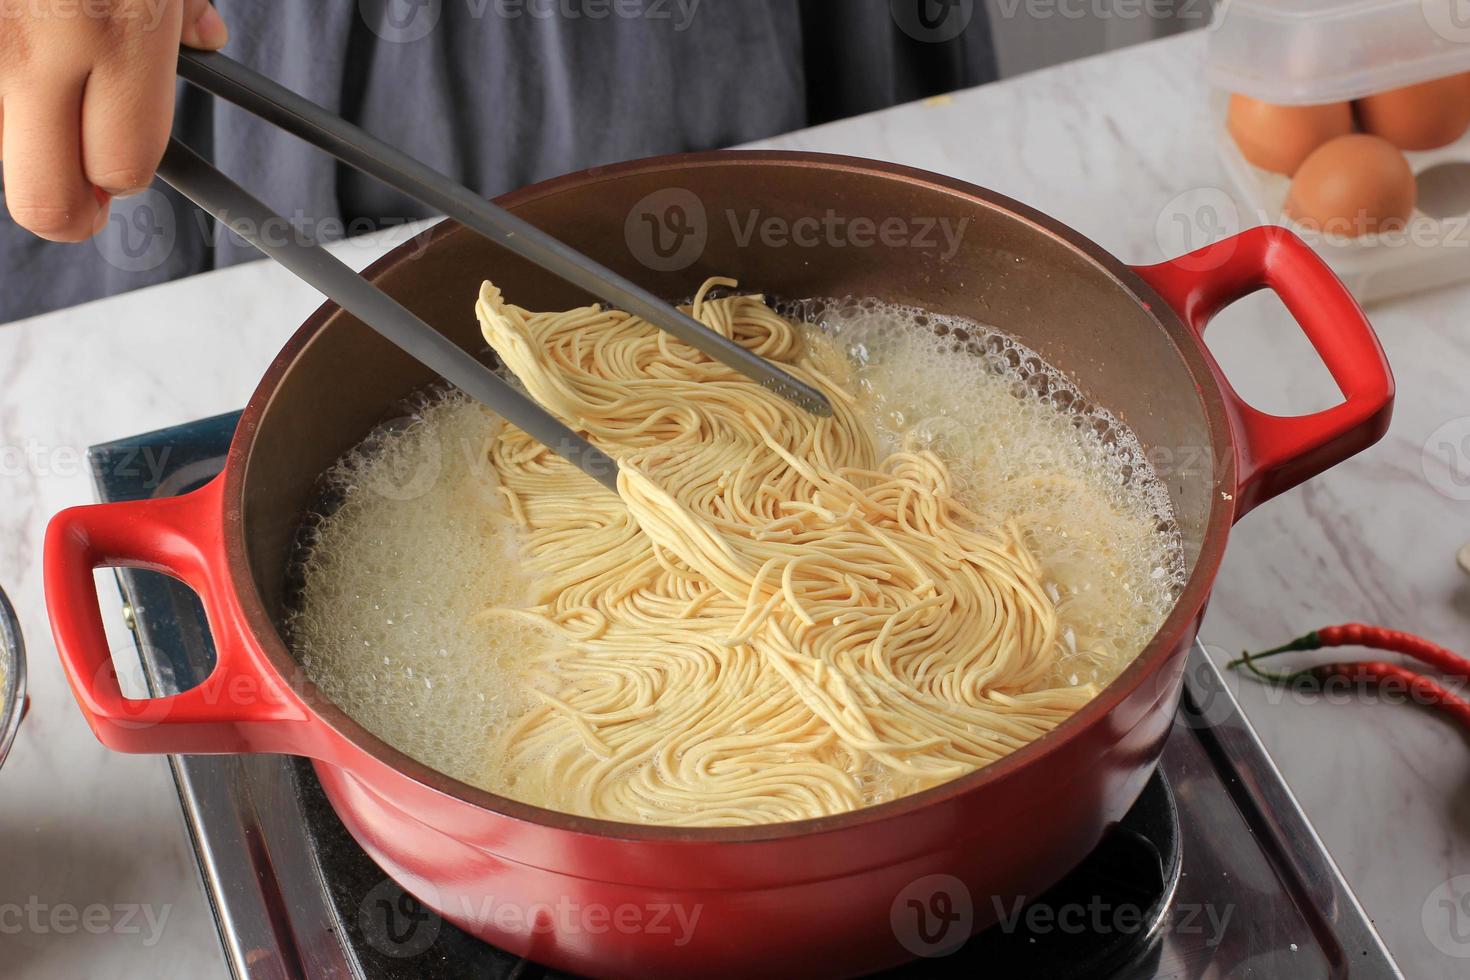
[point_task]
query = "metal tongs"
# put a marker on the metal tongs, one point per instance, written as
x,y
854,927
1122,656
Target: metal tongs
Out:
x,y
243,214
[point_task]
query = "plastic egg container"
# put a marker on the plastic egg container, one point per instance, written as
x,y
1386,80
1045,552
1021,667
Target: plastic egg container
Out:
x,y
1312,52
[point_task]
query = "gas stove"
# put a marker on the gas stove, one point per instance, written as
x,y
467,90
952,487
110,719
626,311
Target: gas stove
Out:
x,y
1215,872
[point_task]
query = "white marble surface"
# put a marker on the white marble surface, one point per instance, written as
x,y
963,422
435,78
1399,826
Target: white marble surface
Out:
x,y
81,826
1119,147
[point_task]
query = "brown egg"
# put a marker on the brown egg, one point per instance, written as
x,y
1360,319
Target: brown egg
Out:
x,y
1419,117
1353,185
1279,137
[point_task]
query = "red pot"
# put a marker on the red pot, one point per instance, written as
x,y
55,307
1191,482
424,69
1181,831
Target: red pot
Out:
x,y
838,895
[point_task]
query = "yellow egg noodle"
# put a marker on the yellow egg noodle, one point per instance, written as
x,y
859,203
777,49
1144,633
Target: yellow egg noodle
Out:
x,y
771,620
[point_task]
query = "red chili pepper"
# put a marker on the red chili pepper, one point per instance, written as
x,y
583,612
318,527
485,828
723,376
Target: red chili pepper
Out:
x,y
1423,690
1361,635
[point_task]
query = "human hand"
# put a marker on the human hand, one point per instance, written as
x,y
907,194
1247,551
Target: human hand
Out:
x,y
87,101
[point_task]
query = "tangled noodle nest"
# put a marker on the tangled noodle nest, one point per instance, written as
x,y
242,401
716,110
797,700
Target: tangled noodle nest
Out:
x,y
772,620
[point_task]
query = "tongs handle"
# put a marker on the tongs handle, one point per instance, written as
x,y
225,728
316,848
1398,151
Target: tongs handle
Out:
x,y
247,217
276,104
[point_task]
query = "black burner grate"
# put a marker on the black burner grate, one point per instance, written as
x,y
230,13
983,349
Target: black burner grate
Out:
x,y
393,937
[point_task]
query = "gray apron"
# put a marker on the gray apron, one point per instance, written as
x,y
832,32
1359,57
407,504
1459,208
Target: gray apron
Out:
x,y
499,94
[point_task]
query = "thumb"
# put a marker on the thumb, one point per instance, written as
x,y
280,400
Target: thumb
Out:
x,y
203,26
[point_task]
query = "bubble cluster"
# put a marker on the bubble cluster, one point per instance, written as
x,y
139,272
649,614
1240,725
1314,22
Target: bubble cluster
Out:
x,y
1024,443
416,543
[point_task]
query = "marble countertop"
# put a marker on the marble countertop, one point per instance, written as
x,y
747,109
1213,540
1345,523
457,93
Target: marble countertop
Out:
x,y
95,867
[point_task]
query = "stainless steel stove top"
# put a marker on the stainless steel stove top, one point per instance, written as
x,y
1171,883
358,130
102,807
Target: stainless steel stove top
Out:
x,y
1215,873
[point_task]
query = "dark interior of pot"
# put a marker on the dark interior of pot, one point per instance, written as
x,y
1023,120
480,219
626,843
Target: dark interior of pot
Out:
x,y
1015,271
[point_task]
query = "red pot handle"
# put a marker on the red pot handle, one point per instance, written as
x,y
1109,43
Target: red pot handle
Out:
x,y
242,706
1275,453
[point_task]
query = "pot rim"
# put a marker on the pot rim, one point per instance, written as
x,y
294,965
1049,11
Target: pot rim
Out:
x,y
13,656
1176,627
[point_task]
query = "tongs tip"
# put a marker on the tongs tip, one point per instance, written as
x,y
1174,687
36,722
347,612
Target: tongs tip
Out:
x,y
802,396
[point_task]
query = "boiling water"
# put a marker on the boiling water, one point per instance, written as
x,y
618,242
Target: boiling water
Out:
x,y
1024,444
420,541
392,581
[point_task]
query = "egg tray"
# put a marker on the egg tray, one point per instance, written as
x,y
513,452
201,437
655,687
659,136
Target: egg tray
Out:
x,y
1432,250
